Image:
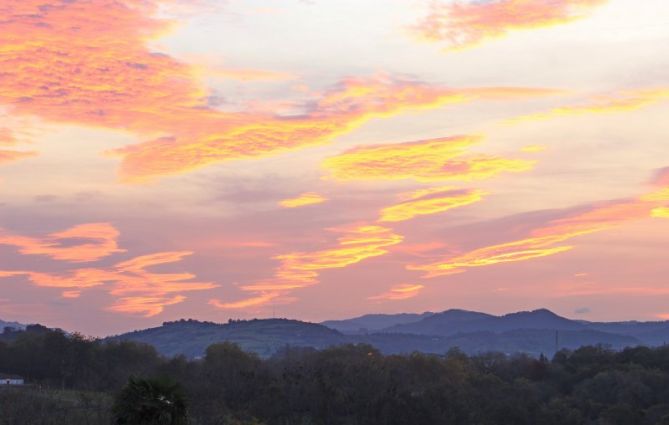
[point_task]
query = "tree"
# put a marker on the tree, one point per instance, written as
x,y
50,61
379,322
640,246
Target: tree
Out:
x,y
150,402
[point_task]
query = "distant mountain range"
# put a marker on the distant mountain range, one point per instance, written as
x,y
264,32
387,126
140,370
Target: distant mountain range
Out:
x,y
452,322
374,322
532,332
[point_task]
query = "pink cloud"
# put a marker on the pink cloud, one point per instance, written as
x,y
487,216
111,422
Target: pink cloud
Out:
x,y
90,242
466,24
137,289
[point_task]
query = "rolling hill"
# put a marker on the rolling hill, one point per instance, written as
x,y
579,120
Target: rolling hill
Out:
x,y
452,322
13,325
264,337
373,322
532,332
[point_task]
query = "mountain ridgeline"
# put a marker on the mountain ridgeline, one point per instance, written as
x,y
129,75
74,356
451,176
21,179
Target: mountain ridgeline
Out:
x,y
532,332
11,325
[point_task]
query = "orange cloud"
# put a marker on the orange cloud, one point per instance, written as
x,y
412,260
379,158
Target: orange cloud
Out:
x,y
349,105
245,303
11,156
521,250
88,63
399,292
136,278
87,242
309,198
148,293
300,269
71,294
660,212
425,161
77,279
145,306
461,25
138,290
548,240
356,245
626,101
430,201
534,148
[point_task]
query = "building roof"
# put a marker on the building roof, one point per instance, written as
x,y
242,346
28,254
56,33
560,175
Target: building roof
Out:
x,y
8,376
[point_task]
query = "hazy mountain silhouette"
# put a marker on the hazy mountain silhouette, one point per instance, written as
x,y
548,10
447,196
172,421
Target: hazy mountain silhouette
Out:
x,y
13,325
533,332
264,337
451,322
373,322
649,333
446,323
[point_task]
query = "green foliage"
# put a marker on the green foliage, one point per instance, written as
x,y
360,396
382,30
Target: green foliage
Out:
x,y
345,385
150,402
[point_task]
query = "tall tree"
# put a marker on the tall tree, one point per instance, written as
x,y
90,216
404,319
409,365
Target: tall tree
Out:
x,y
150,402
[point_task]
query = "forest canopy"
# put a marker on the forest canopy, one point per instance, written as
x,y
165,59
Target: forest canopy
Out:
x,y
349,384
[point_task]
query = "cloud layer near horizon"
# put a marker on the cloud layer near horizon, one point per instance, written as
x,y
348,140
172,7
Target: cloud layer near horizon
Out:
x,y
549,239
136,289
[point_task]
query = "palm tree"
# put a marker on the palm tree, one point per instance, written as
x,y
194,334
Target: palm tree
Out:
x,y
150,402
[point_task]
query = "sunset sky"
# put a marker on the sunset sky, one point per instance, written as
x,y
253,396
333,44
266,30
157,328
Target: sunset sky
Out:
x,y
321,159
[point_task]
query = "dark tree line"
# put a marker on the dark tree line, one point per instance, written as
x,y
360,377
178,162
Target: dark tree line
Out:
x,y
355,384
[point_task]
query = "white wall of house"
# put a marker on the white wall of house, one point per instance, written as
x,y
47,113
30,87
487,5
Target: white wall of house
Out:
x,y
11,381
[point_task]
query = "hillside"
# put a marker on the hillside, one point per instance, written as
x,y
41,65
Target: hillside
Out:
x,y
532,332
537,341
446,323
13,325
264,337
451,322
649,333
374,322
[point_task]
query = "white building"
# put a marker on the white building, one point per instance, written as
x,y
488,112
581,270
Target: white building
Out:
x,y
10,380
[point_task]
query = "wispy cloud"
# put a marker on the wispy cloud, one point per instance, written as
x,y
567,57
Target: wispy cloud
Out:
x,y
104,75
430,160
7,156
301,269
337,111
660,212
624,101
549,240
87,242
460,25
137,289
430,201
399,292
305,199
255,301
